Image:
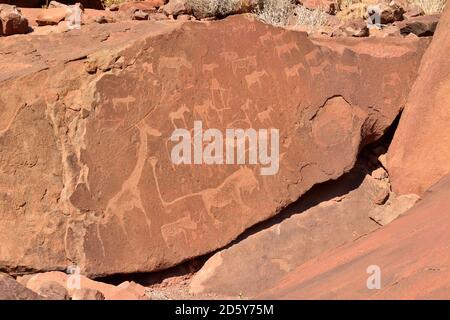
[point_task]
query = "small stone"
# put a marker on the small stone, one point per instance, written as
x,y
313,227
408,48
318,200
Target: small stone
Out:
x,y
51,17
140,15
176,7
85,113
101,20
90,67
420,26
56,4
184,17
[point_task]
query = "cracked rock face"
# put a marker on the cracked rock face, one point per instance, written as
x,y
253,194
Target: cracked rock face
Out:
x,y
86,176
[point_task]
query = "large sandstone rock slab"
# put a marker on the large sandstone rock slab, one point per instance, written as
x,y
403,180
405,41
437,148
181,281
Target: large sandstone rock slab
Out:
x,y
420,152
325,218
78,287
86,172
411,254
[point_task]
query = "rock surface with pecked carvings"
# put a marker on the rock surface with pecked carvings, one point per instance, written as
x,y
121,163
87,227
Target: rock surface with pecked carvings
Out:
x,y
86,174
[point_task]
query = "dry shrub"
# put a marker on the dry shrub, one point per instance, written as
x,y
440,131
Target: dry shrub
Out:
x,y
282,12
307,17
213,8
430,6
108,3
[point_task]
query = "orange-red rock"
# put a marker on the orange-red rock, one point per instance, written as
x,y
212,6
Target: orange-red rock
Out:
x,y
51,16
86,176
421,26
12,21
146,6
329,6
411,253
177,7
420,154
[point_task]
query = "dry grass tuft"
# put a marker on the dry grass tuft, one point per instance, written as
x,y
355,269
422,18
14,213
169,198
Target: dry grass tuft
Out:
x,y
430,6
275,12
282,12
212,8
108,3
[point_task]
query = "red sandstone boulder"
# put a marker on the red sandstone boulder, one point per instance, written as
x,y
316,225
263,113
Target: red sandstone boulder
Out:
x,y
421,26
12,21
145,6
420,154
51,16
410,255
87,175
390,13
